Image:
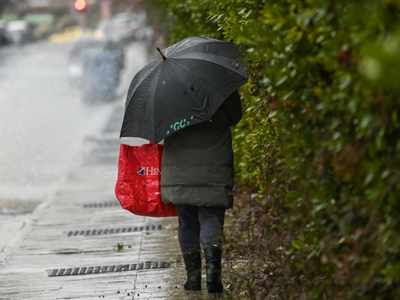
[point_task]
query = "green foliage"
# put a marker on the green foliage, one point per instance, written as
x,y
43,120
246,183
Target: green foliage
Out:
x,y
319,140
180,19
121,247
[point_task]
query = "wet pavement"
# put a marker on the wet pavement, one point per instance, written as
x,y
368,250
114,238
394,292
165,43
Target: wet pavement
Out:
x,y
80,243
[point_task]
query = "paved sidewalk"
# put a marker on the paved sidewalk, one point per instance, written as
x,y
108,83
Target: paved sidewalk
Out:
x,y
91,247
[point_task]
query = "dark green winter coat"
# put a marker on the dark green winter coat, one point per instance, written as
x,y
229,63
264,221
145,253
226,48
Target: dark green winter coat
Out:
x,y
197,164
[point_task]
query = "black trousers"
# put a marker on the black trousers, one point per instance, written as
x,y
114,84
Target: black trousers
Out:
x,y
199,227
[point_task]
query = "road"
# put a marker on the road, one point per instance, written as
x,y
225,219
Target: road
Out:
x,y
45,127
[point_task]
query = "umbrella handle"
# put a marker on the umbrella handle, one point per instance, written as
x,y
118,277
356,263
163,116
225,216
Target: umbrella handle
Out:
x,y
162,54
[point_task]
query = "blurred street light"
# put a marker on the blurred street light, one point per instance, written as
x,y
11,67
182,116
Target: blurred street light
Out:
x,y
80,5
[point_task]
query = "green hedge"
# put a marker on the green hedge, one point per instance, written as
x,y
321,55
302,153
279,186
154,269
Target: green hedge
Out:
x,y
319,140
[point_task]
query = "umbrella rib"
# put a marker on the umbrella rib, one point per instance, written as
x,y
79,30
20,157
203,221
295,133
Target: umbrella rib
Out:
x,y
141,75
185,89
211,62
135,88
235,70
175,50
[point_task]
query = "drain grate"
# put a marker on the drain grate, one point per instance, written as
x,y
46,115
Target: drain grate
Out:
x,y
101,205
108,269
114,230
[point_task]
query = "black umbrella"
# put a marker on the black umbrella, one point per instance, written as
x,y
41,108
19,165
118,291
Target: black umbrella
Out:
x,y
182,85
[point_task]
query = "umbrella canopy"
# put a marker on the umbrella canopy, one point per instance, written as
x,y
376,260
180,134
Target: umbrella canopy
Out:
x,y
182,85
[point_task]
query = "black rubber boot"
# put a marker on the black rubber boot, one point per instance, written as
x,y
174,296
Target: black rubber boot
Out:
x,y
213,269
193,270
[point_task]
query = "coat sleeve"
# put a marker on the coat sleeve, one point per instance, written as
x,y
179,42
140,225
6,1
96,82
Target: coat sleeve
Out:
x,y
234,107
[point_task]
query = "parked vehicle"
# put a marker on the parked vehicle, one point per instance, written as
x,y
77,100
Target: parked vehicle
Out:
x,y
18,31
4,39
124,27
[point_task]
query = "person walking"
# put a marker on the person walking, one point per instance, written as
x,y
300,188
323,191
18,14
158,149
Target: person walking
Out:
x,y
197,176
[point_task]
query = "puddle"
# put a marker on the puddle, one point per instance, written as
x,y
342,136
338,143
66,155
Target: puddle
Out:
x,y
17,207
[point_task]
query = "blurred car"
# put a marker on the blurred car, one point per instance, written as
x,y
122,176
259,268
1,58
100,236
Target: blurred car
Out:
x,y
123,27
70,34
4,39
76,56
18,31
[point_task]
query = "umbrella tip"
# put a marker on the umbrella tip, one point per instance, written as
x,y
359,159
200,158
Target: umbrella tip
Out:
x,y
162,54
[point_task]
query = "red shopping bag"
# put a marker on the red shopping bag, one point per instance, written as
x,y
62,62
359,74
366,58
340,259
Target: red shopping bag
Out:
x,y
138,183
